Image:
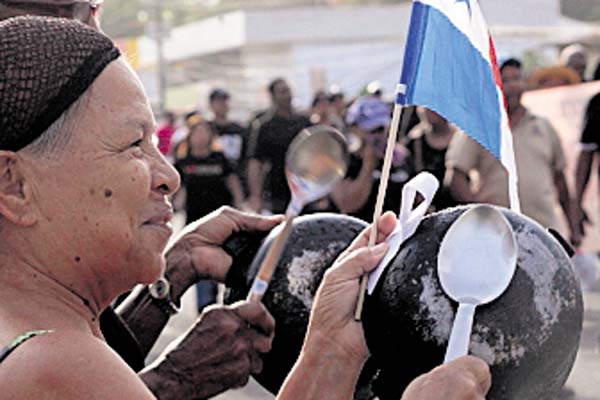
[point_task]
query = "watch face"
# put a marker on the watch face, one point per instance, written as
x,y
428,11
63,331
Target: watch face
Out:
x,y
159,289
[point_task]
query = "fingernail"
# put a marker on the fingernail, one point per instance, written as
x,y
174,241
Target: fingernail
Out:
x,y
379,249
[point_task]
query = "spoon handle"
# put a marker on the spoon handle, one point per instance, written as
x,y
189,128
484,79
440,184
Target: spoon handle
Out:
x,y
458,345
263,277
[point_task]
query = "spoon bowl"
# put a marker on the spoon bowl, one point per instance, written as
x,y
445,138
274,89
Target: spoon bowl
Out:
x,y
316,160
476,263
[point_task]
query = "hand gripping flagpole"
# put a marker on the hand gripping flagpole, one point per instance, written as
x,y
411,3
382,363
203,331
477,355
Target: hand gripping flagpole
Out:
x,y
383,182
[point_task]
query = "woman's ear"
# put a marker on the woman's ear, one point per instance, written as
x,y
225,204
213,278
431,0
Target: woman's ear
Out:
x,y
15,198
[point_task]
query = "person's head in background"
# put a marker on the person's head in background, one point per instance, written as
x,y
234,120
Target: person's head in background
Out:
x,y
201,139
548,77
575,57
169,118
281,96
374,89
511,72
86,11
319,111
218,101
438,123
369,119
336,100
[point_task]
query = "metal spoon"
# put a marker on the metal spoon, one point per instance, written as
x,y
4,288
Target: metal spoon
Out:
x,y
316,161
476,263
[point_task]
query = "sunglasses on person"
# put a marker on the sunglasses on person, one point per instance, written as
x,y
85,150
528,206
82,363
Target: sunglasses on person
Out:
x,y
80,10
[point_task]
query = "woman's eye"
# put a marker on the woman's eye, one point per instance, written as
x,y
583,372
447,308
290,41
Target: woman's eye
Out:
x,y
137,143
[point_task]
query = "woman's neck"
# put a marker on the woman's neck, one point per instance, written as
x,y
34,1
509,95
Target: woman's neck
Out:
x,y
200,151
40,299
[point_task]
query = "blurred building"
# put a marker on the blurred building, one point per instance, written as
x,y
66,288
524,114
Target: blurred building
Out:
x,y
314,46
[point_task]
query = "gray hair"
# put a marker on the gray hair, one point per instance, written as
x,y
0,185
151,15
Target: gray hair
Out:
x,y
54,140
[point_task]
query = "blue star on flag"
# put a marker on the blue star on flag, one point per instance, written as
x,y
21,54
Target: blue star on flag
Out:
x,y
465,1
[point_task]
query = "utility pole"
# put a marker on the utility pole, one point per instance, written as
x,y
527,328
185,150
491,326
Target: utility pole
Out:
x,y
161,66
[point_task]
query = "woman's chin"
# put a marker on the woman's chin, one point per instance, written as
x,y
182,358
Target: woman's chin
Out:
x,y
152,270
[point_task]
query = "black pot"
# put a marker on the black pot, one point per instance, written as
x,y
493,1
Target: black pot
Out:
x,y
529,336
314,243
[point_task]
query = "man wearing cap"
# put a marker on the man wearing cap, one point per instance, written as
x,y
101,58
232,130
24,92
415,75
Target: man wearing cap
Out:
x,y
368,120
232,136
267,148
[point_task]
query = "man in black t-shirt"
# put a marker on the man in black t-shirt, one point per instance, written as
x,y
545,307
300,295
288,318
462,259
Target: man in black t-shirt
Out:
x,y
267,149
231,134
590,147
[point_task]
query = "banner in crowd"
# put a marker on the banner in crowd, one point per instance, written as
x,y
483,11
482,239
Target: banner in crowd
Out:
x,y
565,107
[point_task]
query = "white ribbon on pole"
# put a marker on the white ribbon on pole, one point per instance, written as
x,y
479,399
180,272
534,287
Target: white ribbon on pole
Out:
x,y
408,221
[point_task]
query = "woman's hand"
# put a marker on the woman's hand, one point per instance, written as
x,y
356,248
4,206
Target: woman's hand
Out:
x,y
332,317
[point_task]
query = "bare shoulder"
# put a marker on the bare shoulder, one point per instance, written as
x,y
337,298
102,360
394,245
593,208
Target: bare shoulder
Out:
x,y
68,365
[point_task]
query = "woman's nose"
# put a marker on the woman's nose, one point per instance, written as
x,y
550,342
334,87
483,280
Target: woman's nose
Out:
x,y
165,178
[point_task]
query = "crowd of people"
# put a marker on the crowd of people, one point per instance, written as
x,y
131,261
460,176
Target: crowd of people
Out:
x,y
85,207
467,172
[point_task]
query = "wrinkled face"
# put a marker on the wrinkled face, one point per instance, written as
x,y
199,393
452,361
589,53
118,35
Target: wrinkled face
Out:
x,y
514,85
103,200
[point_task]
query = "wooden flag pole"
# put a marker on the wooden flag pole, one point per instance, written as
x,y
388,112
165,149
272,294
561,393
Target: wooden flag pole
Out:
x,y
385,173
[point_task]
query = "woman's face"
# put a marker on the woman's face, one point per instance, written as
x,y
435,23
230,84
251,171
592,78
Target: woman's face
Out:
x,y
102,202
200,136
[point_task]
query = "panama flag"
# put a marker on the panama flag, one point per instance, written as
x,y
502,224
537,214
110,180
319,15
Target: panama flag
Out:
x,y
450,67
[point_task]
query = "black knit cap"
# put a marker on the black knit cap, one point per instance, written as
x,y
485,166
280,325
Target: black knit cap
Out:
x,y
46,64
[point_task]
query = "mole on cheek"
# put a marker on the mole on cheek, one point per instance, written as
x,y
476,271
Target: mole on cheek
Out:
x,y
108,193
77,259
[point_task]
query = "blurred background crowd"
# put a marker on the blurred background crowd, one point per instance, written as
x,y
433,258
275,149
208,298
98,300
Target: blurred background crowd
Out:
x,y
241,163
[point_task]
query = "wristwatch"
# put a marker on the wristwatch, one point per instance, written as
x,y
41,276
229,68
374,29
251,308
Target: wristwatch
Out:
x,y
160,293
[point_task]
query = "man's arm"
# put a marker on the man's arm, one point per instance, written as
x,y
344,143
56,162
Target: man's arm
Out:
x,y
256,172
218,353
582,177
565,203
582,174
351,194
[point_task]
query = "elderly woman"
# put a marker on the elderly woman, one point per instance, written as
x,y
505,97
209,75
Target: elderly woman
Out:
x,y
84,216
